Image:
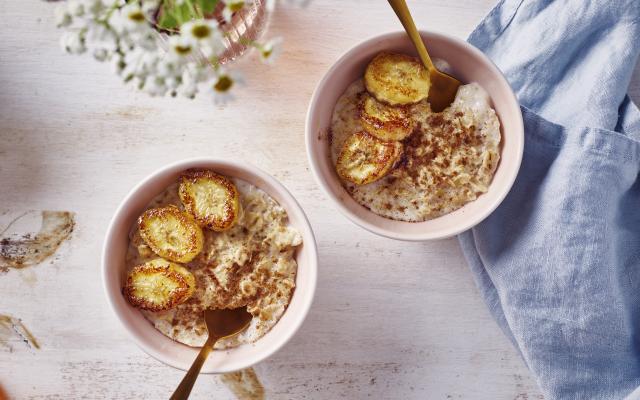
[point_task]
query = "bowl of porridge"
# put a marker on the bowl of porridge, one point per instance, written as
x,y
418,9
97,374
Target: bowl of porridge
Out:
x,y
209,234
394,166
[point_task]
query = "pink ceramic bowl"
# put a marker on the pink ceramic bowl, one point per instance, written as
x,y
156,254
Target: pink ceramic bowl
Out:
x,y
469,65
155,343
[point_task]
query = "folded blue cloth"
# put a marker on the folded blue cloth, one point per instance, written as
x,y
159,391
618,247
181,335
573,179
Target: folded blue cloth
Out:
x,y
558,263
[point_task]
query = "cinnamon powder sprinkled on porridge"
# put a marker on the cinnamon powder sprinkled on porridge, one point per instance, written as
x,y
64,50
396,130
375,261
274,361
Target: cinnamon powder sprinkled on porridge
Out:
x,y
252,264
448,160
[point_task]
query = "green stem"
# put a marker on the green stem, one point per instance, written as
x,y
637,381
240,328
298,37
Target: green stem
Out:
x,y
214,62
194,10
248,42
105,20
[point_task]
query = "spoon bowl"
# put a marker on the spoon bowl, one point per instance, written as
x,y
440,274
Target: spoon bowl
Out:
x,y
229,322
443,90
443,87
220,324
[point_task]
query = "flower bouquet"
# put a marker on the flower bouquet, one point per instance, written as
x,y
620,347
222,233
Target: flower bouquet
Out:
x,y
174,47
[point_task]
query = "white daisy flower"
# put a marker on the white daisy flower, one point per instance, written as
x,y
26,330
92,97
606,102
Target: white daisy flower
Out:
x,y
211,51
62,16
102,37
196,72
270,51
73,42
148,64
203,33
100,54
120,32
167,68
133,64
231,7
148,39
117,64
223,84
129,19
180,47
189,86
93,7
155,86
172,83
188,91
75,7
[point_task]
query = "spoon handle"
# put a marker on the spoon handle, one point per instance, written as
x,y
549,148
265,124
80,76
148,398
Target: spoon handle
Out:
x,y
184,389
402,11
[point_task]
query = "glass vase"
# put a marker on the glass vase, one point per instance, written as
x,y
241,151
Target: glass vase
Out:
x,y
246,26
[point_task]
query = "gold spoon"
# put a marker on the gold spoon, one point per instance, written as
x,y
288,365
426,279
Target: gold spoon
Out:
x,y
220,324
443,87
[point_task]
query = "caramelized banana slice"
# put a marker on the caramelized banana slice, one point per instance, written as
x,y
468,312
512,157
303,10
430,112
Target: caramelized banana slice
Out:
x,y
383,121
159,285
211,198
171,233
397,79
365,158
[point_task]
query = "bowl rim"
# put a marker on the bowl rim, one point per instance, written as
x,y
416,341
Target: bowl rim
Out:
x,y
296,323
391,234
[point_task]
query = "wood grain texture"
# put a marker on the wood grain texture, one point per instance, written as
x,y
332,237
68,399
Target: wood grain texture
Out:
x,y
391,320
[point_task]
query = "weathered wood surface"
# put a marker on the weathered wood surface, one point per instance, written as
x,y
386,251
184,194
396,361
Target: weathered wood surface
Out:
x,y
391,320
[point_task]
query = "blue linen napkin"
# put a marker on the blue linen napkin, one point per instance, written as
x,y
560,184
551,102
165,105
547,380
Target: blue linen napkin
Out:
x,y
558,263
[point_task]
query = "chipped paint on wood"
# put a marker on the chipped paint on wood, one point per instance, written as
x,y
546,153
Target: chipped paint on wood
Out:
x,y
20,250
12,327
244,384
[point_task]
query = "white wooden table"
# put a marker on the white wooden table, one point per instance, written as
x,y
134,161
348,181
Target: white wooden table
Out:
x,y
391,320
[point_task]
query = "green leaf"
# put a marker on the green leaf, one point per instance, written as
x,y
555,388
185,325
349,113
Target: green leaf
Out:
x,y
207,6
184,12
167,21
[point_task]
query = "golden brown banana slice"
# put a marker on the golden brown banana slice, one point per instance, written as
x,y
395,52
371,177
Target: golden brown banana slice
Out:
x,y
211,198
159,285
171,233
384,121
365,158
397,79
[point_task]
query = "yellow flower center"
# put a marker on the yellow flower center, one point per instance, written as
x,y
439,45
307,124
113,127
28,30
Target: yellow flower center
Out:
x,y
136,16
182,50
201,31
224,84
267,53
237,6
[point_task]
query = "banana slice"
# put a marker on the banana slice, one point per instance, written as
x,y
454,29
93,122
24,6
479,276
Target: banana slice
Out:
x,y
171,233
211,198
365,158
383,121
397,79
159,285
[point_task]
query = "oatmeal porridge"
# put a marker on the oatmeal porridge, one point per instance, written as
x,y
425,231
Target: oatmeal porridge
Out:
x,y
251,263
428,164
